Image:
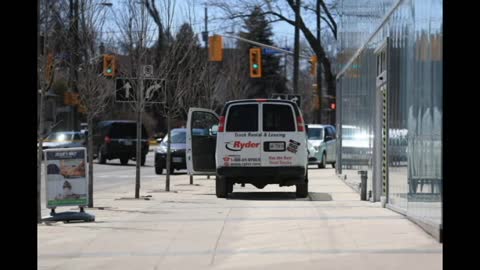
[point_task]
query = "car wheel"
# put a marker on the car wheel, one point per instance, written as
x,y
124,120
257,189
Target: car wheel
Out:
x,y
302,190
101,157
220,186
124,160
229,186
324,160
158,170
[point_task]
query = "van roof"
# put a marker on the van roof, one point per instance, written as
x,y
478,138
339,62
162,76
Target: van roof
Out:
x,y
261,100
319,125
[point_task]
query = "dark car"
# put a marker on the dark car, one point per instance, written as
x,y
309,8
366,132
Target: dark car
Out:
x,y
177,150
118,139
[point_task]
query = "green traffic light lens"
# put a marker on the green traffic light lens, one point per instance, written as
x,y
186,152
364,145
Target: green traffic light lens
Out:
x,y
255,66
109,70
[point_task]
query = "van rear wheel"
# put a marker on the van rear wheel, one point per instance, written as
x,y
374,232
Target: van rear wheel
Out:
x,y
302,190
220,186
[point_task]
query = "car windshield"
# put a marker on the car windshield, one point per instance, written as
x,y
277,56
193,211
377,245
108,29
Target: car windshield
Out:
x,y
59,137
315,133
178,136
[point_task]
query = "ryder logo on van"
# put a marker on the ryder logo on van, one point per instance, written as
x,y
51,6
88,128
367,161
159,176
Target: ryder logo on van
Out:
x,y
238,145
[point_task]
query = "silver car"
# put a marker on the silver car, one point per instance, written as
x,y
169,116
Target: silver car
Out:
x,y
322,145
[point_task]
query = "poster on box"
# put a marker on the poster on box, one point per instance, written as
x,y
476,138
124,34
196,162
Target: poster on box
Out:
x,y
66,177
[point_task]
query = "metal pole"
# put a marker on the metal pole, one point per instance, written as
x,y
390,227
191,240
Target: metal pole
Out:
x,y
208,63
139,136
296,58
338,110
168,163
363,190
140,103
40,126
265,46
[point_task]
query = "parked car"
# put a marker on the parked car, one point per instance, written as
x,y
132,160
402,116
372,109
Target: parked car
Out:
x,y
177,150
118,139
64,139
259,142
323,140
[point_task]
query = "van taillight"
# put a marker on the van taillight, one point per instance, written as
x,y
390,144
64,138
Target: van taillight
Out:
x,y
221,124
300,126
107,139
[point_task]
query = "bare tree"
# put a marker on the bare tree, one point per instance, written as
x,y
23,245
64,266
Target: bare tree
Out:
x,y
93,88
94,94
135,25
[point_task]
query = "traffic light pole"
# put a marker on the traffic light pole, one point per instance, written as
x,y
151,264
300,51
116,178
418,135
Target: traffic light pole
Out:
x,y
262,45
296,57
319,70
208,66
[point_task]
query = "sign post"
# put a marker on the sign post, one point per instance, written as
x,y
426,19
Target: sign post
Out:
x,y
66,181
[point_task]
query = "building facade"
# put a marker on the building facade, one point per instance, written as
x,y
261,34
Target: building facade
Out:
x,y
389,111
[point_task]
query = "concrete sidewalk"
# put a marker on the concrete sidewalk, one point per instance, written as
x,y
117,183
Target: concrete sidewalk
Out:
x,y
255,229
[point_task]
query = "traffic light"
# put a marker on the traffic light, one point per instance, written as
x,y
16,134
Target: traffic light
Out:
x,y
313,67
333,106
255,63
215,49
109,65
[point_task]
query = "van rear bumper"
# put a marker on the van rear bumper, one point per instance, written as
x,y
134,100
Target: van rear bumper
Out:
x,y
277,173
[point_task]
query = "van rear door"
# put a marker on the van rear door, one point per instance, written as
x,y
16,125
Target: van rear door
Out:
x,y
202,127
283,145
239,144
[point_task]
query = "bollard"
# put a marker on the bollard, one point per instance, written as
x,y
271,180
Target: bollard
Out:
x,y
363,190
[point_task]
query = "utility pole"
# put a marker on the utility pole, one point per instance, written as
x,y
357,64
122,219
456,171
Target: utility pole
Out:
x,y
296,58
208,62
319,69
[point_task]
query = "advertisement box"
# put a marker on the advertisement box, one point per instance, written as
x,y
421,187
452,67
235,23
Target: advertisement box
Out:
x,y
66,177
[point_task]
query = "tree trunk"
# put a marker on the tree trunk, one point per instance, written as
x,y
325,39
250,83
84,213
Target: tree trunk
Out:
x,y
90,161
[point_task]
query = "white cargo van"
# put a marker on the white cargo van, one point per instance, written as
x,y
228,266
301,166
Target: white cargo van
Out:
x,y
254,141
